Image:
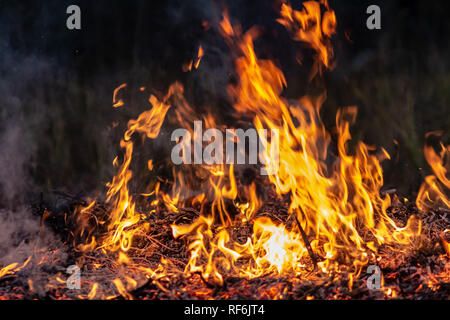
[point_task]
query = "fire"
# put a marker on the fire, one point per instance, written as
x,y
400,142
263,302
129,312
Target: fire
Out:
x,y
196,63
13,268
435,188
118,102
123,216
93,292
226,25
337,216
445,243
312,27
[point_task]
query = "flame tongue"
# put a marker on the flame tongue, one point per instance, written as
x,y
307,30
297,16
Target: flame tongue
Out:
x,y
313,28
434,190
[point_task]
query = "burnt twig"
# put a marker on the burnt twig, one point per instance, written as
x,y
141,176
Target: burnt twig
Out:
x,y
306,242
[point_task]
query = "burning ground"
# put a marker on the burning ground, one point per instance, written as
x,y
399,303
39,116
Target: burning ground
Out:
x,y
308,230
154,266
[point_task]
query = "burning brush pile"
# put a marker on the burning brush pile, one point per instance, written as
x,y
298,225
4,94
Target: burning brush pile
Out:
x,y
310,220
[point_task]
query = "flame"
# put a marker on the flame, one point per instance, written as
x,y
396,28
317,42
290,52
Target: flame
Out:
x,y
123,215
199,57
118,102
435,188
13,268
200,54
248,209
445,243
225,25
120,287
93,292
341,217
311,27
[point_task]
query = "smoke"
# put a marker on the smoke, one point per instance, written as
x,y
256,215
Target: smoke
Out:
x,y
20,235
21,117
12,165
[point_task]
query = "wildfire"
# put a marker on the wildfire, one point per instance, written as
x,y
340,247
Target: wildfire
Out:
x,y
337,216
336,205
118,102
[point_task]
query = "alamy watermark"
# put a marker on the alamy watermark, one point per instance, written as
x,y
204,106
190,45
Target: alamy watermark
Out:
x,y
74,281
73,22
374,281
190,150
373,22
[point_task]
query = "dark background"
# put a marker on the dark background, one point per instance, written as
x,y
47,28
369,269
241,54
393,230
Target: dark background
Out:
x,y
58,129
